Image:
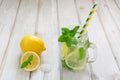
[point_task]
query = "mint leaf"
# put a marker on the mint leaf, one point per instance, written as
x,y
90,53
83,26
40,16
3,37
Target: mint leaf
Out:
x,y
74,30
24,64
68,36
28,61
65,31
63,38
30,58
82,53
68,42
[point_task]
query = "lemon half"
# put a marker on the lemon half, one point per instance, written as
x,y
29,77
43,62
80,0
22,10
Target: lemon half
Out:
x,y
34,63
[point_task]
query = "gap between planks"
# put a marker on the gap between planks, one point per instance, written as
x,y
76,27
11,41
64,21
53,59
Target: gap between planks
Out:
x,y
112,16
117,4
37,18
36,33
1,2
37,25
58,23
5,53
115,58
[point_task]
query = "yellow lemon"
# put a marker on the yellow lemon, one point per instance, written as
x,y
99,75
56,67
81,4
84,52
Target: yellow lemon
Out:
x,y
65,50
32,43
34,62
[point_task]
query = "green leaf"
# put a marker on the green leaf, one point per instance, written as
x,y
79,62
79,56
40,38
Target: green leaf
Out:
x,y
62,38
71,41
30,58
28,61
68,42
82,53
24,64
74,30
65,31
68,36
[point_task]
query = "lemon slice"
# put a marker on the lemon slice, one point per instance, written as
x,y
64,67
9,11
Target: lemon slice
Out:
x,y
76,59
35,62
65,50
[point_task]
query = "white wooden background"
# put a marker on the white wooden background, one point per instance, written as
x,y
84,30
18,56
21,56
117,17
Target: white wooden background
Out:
x,y
46,17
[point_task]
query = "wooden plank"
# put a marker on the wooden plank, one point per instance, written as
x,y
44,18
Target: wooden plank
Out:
x,y
114,11
48,31
24,24
112,31
37,75
67,13
8,11
68,18
1,2
6,20
105,65
117,2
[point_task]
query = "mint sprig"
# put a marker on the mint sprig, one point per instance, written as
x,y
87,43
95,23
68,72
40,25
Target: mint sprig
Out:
x,y
28,61
68,36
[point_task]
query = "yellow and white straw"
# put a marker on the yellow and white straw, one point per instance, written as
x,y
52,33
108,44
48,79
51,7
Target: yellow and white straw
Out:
x,y
92,12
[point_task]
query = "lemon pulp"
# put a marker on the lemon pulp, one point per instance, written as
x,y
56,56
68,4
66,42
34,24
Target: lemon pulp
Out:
x,y
34,63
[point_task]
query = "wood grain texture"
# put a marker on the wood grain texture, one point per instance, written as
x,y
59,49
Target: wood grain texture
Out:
x,y
8,11
117,2
46,18
111,30
1,1
24,24
114,11
7,16
105,65
47,29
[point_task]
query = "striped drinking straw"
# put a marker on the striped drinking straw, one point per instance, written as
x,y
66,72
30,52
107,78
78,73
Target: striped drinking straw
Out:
x,y
83,31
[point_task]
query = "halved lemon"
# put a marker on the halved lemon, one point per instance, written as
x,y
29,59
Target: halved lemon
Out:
x,y
35,62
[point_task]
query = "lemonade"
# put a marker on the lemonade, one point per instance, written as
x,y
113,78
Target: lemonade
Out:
x,y
76,44
76,57
75,49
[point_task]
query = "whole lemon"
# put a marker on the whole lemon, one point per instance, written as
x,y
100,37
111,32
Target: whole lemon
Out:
x,y
32,43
